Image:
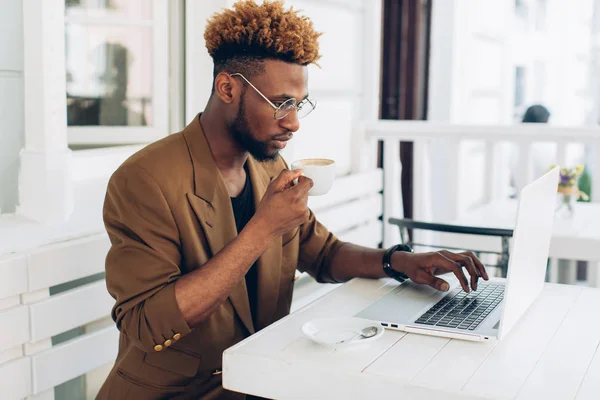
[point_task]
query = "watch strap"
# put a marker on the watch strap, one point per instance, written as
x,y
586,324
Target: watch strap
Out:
x,y
387,262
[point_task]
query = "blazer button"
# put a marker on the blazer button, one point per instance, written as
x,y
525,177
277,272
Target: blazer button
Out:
x,y
177,336
158,347
167,342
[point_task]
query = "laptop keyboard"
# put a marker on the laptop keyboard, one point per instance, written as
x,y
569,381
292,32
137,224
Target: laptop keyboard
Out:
x,y
464,310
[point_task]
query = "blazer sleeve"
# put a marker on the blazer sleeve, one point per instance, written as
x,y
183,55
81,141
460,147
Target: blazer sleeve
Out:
x,y
317,248
142,264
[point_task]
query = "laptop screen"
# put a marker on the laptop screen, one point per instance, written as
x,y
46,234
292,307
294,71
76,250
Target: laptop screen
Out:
x,y
531,244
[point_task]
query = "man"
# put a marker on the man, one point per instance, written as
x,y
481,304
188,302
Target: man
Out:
x,y
208,229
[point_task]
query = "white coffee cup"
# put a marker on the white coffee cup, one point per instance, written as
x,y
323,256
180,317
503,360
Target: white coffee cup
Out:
x,y
320,170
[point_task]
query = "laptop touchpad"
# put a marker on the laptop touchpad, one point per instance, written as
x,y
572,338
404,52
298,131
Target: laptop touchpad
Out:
x,y
403,304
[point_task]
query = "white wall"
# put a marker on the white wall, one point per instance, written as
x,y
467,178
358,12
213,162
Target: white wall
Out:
x,y
11,100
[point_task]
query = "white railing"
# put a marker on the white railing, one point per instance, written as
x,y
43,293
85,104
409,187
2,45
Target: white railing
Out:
x,y
352,211
44,294
427,135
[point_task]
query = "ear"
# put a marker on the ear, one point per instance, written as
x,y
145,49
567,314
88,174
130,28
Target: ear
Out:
x,y
227,88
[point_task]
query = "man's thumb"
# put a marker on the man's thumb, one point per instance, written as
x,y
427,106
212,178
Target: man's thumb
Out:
x,y
438,284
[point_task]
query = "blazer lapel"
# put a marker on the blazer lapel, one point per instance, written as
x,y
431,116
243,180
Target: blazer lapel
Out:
x,y
269,263
212,205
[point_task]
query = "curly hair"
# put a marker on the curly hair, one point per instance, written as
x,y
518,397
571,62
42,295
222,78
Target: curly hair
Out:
x,y
249,33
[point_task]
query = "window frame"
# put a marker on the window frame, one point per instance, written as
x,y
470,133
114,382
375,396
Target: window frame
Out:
x,y
91,136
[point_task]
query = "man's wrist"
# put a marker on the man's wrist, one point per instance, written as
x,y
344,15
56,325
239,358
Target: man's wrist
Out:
x,y
258,234
399,259
392,264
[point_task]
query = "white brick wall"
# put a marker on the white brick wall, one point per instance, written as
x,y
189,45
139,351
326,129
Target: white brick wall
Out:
x,y
11,100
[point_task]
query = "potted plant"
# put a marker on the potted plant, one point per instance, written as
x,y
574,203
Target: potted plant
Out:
x,y
568,190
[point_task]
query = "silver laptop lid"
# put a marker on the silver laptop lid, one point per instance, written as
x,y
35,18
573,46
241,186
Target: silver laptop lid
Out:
x,y
531,244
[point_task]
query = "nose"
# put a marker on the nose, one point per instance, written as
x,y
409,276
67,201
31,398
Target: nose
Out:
x,y
290,122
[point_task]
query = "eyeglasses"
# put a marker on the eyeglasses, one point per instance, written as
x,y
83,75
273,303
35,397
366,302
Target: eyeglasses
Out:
x,y
303,108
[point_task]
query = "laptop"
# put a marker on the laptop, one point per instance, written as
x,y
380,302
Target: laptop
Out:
x,y
494,309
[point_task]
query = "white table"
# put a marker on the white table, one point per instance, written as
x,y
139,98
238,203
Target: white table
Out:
x,y
575,238
552,353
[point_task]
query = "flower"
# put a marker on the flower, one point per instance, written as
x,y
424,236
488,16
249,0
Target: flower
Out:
x,y
568,176
567,184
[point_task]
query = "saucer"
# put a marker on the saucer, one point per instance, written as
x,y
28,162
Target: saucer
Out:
x,y
340,332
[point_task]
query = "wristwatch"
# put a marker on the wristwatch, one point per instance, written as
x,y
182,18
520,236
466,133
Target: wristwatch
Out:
x,y
387,262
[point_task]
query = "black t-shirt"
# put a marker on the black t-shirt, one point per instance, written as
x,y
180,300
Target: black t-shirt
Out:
x,y
243,210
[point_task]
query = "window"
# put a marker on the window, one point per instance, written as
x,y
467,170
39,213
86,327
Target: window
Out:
x,y
519,87
522,15
521,8
541,15
117,71
586,11
540,80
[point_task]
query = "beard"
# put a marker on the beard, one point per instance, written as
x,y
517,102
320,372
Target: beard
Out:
x,y
240,131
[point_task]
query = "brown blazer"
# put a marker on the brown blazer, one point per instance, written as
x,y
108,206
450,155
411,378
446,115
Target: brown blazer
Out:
x,y
167,212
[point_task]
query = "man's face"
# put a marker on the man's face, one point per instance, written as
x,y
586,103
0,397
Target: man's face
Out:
x,y
254,126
